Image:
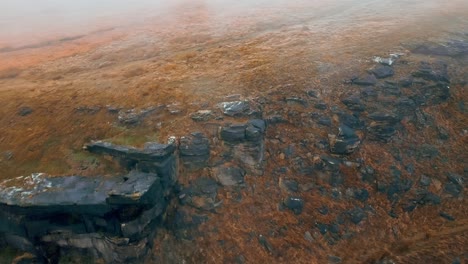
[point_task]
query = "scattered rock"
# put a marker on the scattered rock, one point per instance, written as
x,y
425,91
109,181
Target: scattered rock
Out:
x,y
255,130
25,110
356,215
324,121
288,185
133,117
452,48
436,72
426,151
296,101
323,210
382,71
239,109
387,61
354,103
294,204
276,119
334,259
368,174
7,155
351,120
308,236
312,93
229,176
361,195
90,110
447,216
202,186
194,150
406,82
321,106
383,127
405,106
367,80
369,93
233,133
390,88
346,142
425,181
202,115
266,244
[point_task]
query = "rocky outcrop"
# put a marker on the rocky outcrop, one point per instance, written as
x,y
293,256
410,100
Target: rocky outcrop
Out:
x,y
244,143
153,158
112,219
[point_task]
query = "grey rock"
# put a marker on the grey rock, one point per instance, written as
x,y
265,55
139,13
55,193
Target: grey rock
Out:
x,y
276,119
369,93
250,156
288,185
20,243
356,215
352,121
447,216
266,244
405,106
390,88
202,115
383,126
135,188
456,179
296,101
312,93
345,142
25,110
334,259
443,133
294,204
425,181
90,110
308,236
201,194
433,72
233,133
134,117
7,155
389,118
366,80
453,48
194,150
255,130
229,176
239,109
426,151
258,123
406,82
361,195
354,103
324,121
152,151
135,228
453,189
382,71
320,106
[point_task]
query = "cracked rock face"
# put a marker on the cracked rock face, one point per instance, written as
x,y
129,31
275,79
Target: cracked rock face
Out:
x,y
109,218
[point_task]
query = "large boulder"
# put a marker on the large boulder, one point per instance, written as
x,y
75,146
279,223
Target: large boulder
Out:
x,y
111,219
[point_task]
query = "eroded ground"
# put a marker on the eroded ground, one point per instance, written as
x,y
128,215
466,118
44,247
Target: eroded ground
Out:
x,y
63,93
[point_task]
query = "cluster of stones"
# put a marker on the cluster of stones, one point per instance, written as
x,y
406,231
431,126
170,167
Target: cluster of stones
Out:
x,y
115,218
